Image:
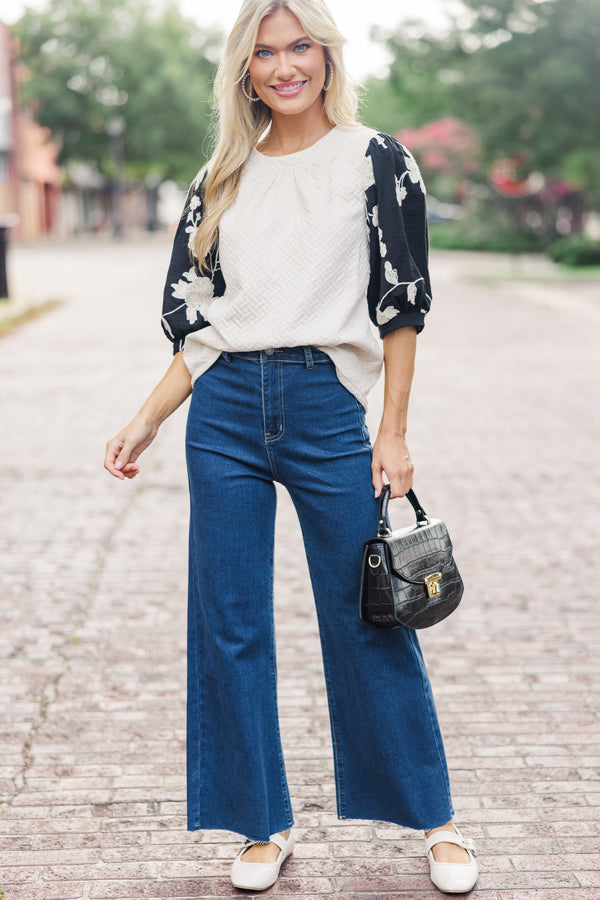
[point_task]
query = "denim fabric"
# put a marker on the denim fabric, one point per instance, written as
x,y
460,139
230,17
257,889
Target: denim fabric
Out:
x,y
282,415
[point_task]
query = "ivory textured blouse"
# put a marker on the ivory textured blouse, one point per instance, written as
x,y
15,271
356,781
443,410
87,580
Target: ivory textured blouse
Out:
x,y
316,246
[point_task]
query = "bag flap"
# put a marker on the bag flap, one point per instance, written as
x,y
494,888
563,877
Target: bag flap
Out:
x,y
418,551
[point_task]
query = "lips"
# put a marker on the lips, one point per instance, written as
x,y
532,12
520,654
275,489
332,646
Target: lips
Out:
x,y
288,90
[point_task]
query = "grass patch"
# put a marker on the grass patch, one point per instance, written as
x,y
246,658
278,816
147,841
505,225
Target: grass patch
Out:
x,y
590,272
559,275
12,322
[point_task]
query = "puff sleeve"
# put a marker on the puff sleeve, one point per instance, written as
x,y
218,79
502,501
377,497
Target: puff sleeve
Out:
x,y
189,288
399,291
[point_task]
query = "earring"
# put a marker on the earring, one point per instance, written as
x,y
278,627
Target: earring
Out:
x,y
246,94
327,86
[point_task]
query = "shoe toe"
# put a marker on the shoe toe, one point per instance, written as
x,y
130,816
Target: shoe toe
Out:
x,y
454,878
257,876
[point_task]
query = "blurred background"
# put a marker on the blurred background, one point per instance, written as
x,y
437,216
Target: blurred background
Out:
x,y
105,113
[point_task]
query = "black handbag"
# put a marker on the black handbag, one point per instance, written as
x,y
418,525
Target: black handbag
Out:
x,y
409,576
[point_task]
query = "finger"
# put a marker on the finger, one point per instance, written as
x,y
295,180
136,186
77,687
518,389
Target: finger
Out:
x,y
377,472
113,448
401,482
126,456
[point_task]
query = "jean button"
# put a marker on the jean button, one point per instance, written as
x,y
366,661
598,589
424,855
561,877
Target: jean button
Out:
x,y
270,351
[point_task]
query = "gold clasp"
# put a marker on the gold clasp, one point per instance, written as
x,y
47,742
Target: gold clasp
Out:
x,y
432,583
374,561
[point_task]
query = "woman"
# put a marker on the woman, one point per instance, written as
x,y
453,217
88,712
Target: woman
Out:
x,y
303,225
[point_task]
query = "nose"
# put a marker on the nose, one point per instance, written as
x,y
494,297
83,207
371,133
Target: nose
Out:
x,y
285,67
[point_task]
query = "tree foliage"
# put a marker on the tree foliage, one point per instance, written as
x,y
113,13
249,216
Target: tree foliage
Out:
x,y
89,61
523,73
448,152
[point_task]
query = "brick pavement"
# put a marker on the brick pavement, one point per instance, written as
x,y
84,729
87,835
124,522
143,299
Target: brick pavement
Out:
x,y
504,431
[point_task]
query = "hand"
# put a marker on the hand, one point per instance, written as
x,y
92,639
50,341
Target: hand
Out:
x,y
391,455
123,450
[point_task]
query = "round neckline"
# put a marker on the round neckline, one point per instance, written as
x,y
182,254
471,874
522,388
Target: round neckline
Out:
x,y
297,153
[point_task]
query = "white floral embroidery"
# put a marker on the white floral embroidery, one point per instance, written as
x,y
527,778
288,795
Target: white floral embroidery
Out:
x,y
193,219
191,230
401,191
381,140
167,327
375,215
382,244
386,315
196,291
413,170
391,275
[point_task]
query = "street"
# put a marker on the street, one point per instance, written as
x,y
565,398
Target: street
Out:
x,y
504,431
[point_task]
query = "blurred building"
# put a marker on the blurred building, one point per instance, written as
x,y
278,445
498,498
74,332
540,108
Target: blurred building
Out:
x,y
8,198
29,176
78,199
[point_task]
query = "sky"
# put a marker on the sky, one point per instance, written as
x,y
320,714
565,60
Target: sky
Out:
x,y
363,57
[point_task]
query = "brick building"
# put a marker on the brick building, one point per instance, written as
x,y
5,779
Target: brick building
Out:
x,y
29,176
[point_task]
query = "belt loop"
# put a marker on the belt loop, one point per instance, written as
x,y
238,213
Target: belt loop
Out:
x,y
226,356
308,357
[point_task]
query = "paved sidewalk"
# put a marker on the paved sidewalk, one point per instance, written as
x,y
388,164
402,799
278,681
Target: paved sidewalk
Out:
x,y
505,434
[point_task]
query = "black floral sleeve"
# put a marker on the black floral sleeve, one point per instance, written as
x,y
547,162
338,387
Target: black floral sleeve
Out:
x,y
399,292
189,288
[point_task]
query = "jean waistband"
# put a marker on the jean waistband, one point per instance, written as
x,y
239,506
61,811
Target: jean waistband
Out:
x,y
307,356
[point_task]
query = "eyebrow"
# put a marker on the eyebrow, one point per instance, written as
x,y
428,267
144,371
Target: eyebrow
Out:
x,y
299,40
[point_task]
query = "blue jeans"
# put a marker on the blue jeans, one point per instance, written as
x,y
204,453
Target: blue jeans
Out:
x,y
283,416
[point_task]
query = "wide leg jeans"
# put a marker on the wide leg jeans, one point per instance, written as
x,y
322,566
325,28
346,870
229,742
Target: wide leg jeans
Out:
x,y
283,416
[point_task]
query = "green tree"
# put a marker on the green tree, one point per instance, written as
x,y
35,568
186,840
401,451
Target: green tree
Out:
x,y
523,73
412,94
89,61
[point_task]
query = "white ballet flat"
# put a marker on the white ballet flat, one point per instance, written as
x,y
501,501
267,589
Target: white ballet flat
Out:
x,y
452,878
257,876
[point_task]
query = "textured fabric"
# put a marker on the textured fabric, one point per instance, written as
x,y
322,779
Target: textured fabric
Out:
x,y
254,419
315,245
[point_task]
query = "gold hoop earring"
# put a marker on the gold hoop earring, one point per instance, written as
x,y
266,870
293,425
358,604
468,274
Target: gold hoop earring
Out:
x,y
246,94
327,86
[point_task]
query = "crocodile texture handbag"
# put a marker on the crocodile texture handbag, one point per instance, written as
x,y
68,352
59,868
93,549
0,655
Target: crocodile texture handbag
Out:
x,y
409,576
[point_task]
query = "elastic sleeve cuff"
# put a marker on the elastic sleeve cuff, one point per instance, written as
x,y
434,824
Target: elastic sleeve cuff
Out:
x,y
415,319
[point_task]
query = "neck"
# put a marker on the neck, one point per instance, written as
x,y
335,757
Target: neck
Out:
x,y
290,134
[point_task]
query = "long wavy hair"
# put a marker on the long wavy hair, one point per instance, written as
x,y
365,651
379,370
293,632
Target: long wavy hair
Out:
x,y
240,123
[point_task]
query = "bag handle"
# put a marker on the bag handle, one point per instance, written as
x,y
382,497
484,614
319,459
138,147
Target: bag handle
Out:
x,y
384,522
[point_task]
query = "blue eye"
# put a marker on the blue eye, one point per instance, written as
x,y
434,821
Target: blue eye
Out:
x,y
303,47
260,53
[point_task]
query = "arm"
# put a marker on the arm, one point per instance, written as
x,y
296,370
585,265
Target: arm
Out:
x,y
123,450
399,295
390,451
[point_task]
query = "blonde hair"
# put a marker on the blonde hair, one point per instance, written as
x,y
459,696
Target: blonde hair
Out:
x,y
241,123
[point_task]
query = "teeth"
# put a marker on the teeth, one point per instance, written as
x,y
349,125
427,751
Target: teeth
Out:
x,y
289,87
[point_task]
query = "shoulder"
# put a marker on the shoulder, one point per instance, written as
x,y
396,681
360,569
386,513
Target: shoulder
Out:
x,y
384,146
192,211
348,155
389,156
199,180
351,141
197,185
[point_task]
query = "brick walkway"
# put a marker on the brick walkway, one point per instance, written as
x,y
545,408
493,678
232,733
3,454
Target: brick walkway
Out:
x,y
505,434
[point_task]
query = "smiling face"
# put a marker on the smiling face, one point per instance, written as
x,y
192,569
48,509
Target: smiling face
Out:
x,y
287,67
